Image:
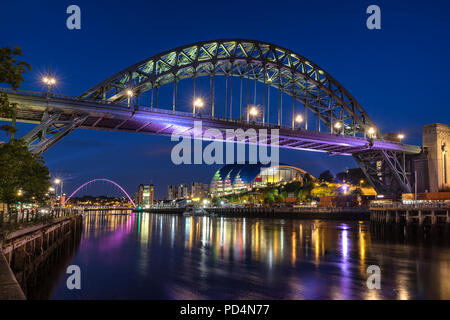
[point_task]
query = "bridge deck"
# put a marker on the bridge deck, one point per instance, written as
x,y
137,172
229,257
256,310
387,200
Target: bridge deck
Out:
x,y
119,117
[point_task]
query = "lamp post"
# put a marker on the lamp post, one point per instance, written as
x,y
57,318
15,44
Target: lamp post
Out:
x,y
338,126
252,111
198,103
298,119
59,181
400,137
130,95
49,81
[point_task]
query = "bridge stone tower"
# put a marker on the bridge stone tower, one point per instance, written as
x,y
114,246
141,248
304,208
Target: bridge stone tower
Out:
x,y
436,143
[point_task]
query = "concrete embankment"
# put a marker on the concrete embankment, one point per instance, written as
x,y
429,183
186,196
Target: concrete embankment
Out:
x,y
23,252
9,287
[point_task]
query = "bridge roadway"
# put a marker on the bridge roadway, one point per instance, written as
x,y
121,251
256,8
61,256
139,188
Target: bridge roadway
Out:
x,y
74,112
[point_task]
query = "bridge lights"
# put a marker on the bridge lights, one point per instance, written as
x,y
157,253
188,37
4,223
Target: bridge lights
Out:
x,y
401,137
371,132
198,103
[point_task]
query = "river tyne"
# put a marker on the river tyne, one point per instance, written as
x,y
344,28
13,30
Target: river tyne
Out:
x,y
161,256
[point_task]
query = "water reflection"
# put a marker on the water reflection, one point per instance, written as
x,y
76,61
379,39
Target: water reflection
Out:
x,y
151,256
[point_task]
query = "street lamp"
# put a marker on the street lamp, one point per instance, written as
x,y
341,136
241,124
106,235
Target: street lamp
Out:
x,y
130,95
298,119
49,81
371,131
252,111
198,103
338,126
401,136
59,181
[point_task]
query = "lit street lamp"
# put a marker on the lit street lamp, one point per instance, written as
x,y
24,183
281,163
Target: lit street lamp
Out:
x,y
338,126
298,119
49,81
253,111
59,181
130,95
371,132
198,103
401,136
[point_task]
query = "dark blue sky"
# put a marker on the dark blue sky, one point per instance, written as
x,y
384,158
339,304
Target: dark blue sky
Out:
x,y
399,74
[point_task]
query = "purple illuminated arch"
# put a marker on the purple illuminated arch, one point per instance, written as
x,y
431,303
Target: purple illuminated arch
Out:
x,y
95,180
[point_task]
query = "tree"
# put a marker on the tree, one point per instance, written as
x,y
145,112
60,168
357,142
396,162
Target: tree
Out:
x,y
11,71
326,176
24,177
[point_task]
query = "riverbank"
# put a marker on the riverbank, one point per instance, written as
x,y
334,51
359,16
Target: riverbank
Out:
x,y
23,252
307,213
9,287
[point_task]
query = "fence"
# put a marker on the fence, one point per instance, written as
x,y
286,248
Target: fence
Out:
x,y
30,216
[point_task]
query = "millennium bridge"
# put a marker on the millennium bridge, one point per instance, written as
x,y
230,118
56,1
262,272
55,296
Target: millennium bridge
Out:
x,y
277,89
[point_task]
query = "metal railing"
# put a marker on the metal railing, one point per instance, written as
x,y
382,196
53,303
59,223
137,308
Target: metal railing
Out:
x,y
19,218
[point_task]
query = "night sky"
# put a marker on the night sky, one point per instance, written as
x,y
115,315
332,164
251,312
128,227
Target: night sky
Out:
x,y
399,74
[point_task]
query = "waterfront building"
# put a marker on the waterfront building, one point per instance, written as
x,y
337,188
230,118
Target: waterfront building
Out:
x,y
235,178
172,192
183,191
197,190
145,195
436,143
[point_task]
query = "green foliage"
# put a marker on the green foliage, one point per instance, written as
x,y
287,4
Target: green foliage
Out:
x,y
22,170
19,168
269,198
11,69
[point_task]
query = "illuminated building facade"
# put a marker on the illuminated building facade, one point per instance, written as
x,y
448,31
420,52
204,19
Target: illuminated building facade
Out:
x,y
145,195
172,192
235,178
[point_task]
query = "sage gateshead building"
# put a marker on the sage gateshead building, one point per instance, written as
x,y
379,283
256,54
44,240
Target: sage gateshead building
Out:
x,y
236,178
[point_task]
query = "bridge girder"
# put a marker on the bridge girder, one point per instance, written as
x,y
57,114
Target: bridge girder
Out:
x,y
50,130
386,171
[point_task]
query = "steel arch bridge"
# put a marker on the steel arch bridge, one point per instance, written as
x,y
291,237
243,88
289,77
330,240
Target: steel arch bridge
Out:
x,y
274,66
97,180
332,121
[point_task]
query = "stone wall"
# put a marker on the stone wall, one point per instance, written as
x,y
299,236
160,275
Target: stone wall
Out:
x,y
436,141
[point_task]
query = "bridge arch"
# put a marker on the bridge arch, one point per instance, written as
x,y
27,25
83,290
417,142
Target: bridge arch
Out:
x,y
275,66
101,179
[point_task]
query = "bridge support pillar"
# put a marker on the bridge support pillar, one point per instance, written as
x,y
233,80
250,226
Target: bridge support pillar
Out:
x,y
51,129
385,170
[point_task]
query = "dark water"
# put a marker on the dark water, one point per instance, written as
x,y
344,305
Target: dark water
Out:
x,y
151,256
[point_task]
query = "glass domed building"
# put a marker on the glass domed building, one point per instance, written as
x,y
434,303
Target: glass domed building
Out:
x,y
235,178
